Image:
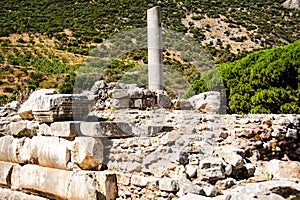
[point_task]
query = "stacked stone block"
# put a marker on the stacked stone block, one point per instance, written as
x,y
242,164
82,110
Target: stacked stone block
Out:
x,y
115,95
61,159
119,96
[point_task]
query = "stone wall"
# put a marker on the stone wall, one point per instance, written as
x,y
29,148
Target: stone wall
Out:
x,y
146,154
205,154
117,95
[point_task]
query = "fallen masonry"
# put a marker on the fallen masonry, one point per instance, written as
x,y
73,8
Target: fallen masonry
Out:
x,y
53,147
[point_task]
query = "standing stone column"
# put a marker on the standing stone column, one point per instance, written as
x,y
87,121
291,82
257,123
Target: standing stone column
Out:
x,y
155,66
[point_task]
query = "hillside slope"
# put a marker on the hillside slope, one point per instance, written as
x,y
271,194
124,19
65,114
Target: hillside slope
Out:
x,y
43,43
260,23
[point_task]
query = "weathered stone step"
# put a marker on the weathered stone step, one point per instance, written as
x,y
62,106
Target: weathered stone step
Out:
x,y
10,194
60,107
105,129
5,173
61,184
25,111
55,152
46,151
9,147
67,129
22,128
90,129
154,130
48,106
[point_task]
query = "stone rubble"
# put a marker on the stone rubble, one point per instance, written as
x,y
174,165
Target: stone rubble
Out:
x,y
25,110
144,151
207,102
60,107
118,95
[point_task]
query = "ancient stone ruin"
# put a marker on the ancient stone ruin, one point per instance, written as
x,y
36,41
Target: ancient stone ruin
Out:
x,y
124,142
120,141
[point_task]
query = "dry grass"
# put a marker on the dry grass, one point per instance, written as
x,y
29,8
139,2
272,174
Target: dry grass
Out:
x,y
14,77
217,30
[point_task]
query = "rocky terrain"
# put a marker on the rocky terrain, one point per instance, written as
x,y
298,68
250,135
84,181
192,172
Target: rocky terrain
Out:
x,y
123,142
292,4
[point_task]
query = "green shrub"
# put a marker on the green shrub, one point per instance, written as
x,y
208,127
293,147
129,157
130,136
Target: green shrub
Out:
x,y
264,82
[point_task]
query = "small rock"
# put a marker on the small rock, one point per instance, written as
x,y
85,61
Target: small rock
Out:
x,y
14,105
186,186
163,99
136,93
123,179
294,120
148,102
231,156
15,118
225,184
257,143
250,168
211,191
3,113
193,159
211,162
298,151
169,185
134,167
138,103
183,158
120,103
120,93
190,171
142,181
292,133
207,102
211,174
23,128
148,93
153,130
228,169
97,86
182,104
194,197
282,169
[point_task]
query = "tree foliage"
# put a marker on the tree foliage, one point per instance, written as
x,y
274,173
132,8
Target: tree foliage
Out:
x,y
266,81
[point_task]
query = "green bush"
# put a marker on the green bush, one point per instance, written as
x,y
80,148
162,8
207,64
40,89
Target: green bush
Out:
x,y
3,99
68,85
264,82
1,59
